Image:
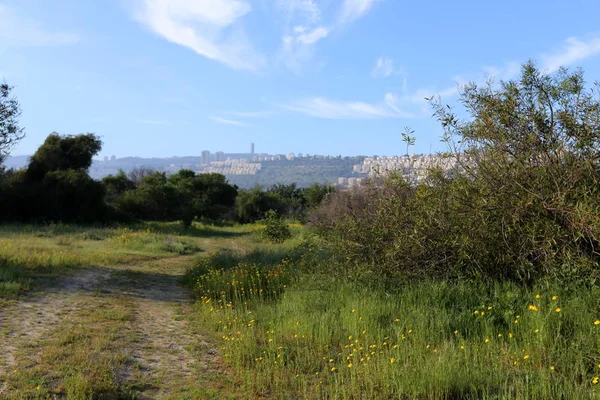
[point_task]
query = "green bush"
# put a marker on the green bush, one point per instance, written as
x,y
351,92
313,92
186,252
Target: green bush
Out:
x,y
276,229
522,202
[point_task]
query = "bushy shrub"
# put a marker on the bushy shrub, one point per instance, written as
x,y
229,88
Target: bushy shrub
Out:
x,y
523,202
251,205
276,229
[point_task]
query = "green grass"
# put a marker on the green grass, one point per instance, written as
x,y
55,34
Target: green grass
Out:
x,y
78,359
308,334
331,338
86,353
30,253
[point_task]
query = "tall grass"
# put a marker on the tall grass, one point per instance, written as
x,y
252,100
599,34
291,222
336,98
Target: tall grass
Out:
x,y
330,338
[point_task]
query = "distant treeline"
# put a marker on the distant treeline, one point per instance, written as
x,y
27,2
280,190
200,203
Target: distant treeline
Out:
x,y
56,186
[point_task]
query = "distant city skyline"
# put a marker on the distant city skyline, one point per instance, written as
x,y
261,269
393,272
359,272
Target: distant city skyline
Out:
x,y
158,78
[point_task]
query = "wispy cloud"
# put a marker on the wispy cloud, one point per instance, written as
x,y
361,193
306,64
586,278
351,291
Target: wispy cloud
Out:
x,y
297,44
212,28
227,121
572,50
307,9
331,109
17,30
313,36
251,114
384,67
302,31
354,9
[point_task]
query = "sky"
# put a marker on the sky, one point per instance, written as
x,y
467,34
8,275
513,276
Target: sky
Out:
x,y
161,78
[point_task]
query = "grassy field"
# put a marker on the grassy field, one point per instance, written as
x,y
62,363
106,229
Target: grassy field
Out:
x,y
105,313
91,312
317,336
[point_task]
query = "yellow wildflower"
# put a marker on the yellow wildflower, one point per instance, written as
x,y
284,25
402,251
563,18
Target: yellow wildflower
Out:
x,y
533,308
558,309
597,322
392,360
554,298
537,296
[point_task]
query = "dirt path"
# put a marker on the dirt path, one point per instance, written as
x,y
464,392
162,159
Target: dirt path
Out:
x,y
36,316
164,358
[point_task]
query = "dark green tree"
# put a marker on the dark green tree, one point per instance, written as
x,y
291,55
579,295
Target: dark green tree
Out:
x,y
56,185
251,205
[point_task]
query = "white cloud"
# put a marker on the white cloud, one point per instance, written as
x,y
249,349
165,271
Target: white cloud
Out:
x,y
572,51
252,114
211,28
227,121
354,9
307,9
314,36
330,109
298,50
16,30
391,100
384,67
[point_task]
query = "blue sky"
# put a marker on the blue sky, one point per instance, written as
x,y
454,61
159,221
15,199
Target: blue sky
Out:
x,y
174,77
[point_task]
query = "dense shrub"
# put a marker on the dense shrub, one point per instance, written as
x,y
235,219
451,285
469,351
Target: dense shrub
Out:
x,y
276,229
181,196
251,205
523,202
56,185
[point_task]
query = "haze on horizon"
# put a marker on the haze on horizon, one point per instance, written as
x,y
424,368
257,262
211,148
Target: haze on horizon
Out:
x,y
160,78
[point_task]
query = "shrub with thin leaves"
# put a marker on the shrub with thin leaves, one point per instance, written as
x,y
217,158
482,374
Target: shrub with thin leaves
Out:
x,y
276,230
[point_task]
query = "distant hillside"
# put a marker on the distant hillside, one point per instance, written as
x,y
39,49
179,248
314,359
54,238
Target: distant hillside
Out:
x,y
302,171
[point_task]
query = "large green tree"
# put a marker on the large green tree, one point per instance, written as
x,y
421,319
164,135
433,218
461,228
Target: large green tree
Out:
x,y
56,185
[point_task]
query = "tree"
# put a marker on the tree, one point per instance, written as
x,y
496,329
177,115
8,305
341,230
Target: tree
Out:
x,y
60,153
182,196
251,205
10,111
56,185
315,194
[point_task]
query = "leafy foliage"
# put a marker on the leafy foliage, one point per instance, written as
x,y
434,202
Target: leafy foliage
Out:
x,y
182,196
276,230
522,204
56,185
